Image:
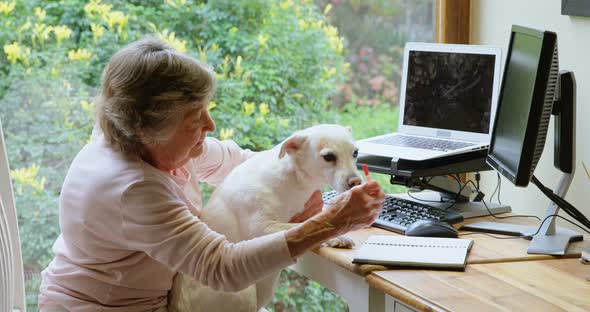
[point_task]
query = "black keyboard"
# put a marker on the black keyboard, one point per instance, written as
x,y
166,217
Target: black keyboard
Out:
x,y
398,213
420,142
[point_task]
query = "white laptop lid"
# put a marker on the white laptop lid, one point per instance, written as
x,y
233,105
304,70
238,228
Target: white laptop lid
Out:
x,y
449,91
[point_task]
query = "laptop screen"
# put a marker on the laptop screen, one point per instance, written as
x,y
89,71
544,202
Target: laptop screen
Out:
x,y
451,91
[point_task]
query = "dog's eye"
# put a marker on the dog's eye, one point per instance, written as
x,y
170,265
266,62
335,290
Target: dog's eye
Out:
x,y
355,153
329,157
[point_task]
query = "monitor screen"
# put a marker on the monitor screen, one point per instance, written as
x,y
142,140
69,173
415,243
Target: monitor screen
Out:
x,y
516,98
451,91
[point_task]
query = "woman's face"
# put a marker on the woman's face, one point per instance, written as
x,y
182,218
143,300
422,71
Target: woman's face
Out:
x,y
186,143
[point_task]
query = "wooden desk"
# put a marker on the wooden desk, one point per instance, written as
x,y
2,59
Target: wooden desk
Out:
x,y
546,285
486,249
333,268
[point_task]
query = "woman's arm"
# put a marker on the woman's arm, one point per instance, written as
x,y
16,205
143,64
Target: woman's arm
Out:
x,y
154,221
157,223
351,210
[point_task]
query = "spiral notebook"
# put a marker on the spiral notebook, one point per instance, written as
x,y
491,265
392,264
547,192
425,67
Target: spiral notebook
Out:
x,y
424,252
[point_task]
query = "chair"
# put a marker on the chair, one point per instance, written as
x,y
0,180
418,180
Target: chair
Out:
x,y
12,291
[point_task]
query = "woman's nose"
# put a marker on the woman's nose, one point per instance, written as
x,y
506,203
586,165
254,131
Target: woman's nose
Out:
x,y
209,123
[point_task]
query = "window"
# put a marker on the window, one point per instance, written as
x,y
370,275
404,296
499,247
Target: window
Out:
x,y
280,65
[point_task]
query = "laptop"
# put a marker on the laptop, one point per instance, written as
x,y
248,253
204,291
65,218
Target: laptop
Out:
x,y
448,100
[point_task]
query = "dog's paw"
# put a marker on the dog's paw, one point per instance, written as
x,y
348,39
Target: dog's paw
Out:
x,y
340,242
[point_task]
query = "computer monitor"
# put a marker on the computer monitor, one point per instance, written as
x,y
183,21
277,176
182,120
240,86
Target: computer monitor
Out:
x,y
529,94
526,99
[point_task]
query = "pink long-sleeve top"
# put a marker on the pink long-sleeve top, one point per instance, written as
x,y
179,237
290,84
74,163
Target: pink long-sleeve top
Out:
x,y
127,227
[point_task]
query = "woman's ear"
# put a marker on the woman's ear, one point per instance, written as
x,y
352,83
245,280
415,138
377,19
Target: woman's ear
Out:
x,y
292,144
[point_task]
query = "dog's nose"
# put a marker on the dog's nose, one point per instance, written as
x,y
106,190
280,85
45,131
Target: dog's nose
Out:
x,y
354,181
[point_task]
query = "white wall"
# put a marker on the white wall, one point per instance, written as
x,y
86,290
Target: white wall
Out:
x,y
491,21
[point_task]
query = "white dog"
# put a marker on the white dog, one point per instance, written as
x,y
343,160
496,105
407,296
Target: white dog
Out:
x,y
260,196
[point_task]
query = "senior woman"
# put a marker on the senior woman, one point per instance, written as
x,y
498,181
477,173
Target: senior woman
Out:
x,y
130,202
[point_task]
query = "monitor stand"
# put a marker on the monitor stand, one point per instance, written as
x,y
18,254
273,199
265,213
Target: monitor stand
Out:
x,y
550,240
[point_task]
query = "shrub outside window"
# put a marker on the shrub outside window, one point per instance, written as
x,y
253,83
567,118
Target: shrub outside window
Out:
x,y
280,66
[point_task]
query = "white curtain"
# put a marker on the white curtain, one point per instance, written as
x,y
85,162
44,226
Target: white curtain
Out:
x,y
12,292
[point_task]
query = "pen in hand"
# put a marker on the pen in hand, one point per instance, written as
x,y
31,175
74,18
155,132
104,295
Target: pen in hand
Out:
x,y
366,171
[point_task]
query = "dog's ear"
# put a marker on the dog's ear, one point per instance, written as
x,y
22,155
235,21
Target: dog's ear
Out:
x,y
292,144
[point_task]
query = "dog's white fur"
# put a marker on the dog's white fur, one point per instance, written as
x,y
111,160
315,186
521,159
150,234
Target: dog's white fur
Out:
x,y
259,197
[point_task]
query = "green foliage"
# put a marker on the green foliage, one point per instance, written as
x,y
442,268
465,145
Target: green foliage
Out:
x,y
276,64
279,66
297,293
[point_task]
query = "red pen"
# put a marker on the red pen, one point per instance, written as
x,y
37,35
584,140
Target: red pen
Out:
x,y
366,171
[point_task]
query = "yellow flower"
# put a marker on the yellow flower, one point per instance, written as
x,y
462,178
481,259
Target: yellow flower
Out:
x,y
336,43
211,105
317,25
87,106
40,33
176,3
226,134
16,52
238,69
40,13
285,5
95,8
330,31
262,39
303,24
263,108
233,30
61,32
170,38
248,108
116,18
202,54
219,76
284,122
329,71
28,176
7,7
97,31
79,55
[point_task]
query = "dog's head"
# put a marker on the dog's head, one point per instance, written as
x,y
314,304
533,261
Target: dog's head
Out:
x,y
325,153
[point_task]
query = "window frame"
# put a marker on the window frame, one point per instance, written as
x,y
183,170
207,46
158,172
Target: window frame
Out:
x,y
452,21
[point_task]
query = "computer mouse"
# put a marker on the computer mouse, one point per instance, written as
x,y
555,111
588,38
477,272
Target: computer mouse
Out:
x,y
431,228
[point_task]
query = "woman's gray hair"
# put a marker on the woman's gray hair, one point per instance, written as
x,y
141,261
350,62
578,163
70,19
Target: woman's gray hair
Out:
x,y
146,89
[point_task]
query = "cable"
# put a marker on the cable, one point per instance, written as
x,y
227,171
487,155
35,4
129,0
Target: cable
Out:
x,y
503,217
497,189
530,235
562,203
453,202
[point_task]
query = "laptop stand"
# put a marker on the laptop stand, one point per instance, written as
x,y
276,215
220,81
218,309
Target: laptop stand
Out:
x,y
430,174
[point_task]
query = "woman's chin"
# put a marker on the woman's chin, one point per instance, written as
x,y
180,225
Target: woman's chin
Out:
x,y
196,151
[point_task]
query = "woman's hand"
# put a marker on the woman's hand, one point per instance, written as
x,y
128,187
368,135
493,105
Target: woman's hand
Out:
x,y
312,207
351,210
357,208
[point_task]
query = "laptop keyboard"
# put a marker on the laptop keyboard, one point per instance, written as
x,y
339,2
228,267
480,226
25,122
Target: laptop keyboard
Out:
x,y
420,142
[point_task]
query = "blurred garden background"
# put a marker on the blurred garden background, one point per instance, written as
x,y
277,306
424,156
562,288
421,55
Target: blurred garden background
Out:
x,y
280,66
